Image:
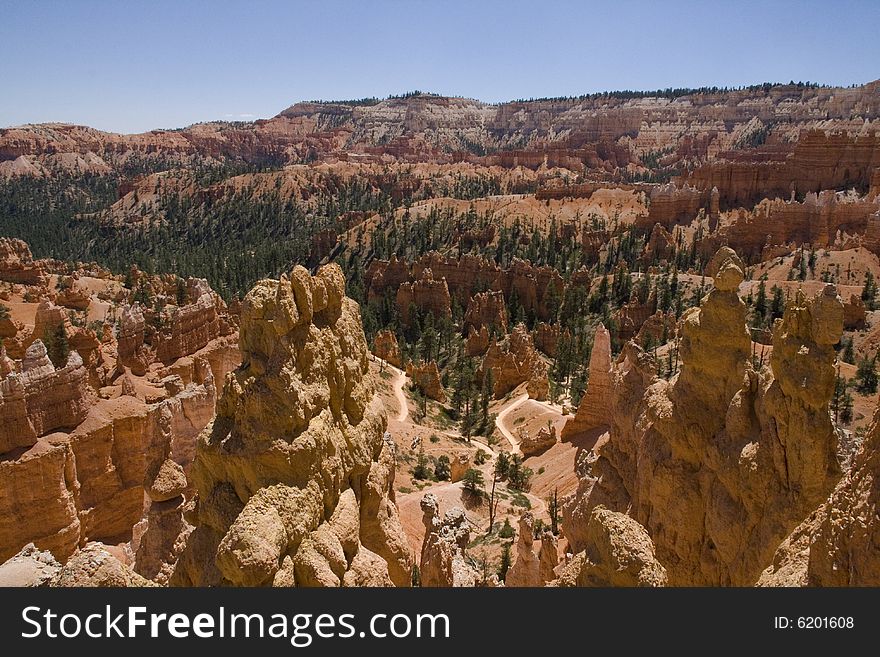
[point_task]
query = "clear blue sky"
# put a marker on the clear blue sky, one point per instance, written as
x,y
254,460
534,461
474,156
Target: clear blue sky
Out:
x,y
132,66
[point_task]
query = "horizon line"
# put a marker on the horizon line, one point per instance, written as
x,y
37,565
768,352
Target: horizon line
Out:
x,y
676,92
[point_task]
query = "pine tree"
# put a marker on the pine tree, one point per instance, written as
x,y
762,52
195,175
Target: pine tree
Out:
x,y
473,481
442,468
777,305
552,301
553,510
142,295
849,353
493,503
839,394
869,291
518,475
421,471
181,294
57,347
428,339
578,386
846,409
866,374
504,566
760,304
514,308
487,394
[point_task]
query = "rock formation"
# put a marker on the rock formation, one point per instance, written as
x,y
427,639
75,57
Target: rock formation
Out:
x,y
426,294
477,342
192,326
294,477
631,316
95,566
31,567
657,329
818,220
94,478
17,265
854,313
548,556
458,466
385,347
837,544
41,399
546,337
819,160
543,440
530,568
71,294
619,552
660,245
594,409
526,569
721,463
426,377
532,285
595,132
487,309
670,205
514,361
91,450
131,350
47,319
442,562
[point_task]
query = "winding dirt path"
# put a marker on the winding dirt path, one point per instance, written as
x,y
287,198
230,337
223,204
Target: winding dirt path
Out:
x,y
502,415
398,384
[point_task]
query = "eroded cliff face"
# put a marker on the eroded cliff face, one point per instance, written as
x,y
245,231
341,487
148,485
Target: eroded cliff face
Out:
x,y
40,398
837,545
294,476
97,447
427,294
619,553
17,264
486,309
94,482
819,220
385,346
593,131
723,461
514,361
842,158
419,283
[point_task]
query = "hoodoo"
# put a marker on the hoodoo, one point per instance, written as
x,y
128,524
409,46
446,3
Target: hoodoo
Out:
x,y
294,476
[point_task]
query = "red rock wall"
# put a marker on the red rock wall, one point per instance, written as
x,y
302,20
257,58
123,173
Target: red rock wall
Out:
x,y
17,265
819,161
